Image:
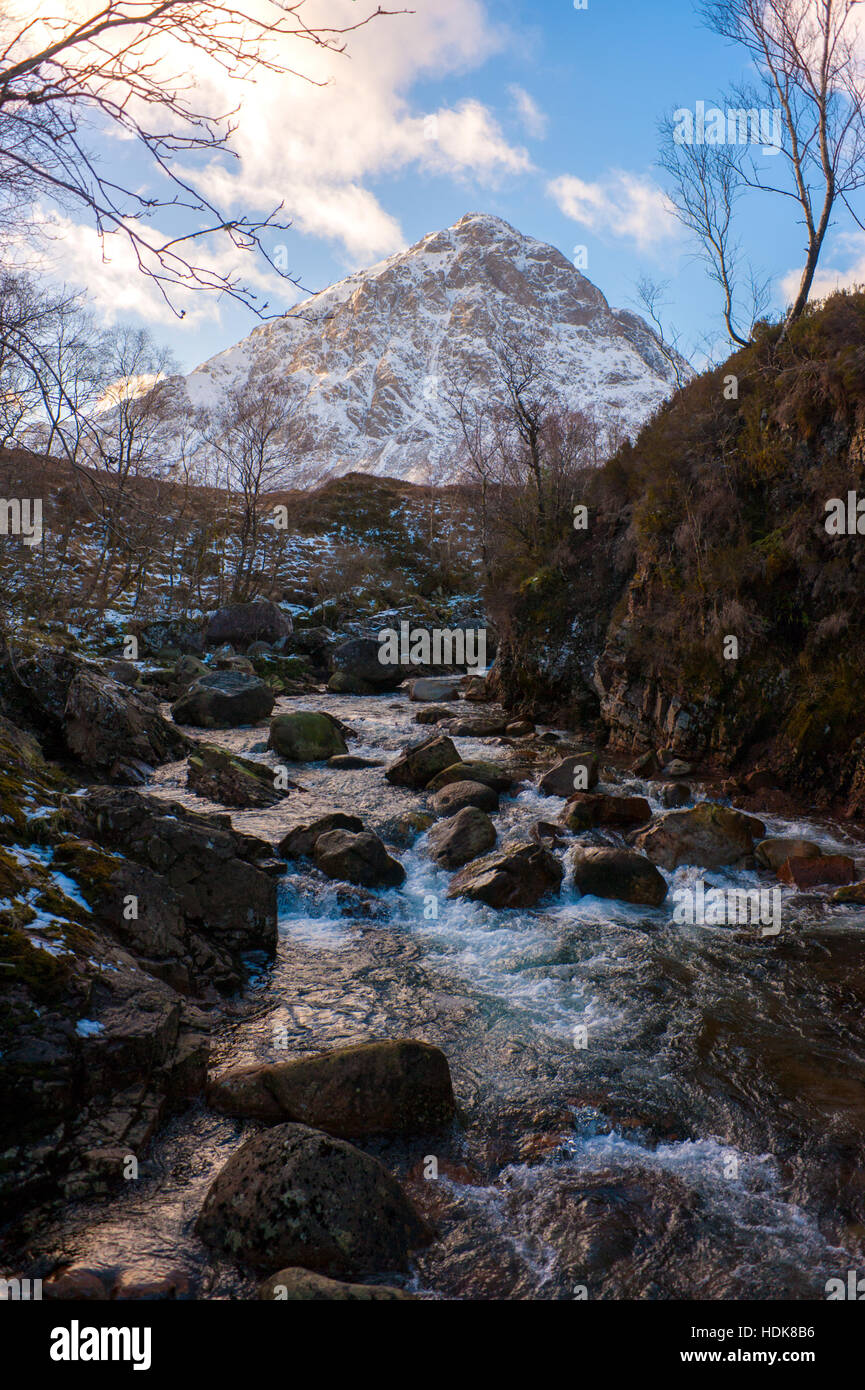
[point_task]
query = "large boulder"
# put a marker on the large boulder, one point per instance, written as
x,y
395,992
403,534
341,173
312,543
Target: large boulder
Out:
x,y
418,764
617,873
393,1087
172,634
357,858
708,834
501,779
456,795
306,736
453,842
807,872
584,810
108,725
772,853
295,1285
242,623
293,1195
232,780
576,774
357,669
433,688
225,699
473,726
513,877
299,841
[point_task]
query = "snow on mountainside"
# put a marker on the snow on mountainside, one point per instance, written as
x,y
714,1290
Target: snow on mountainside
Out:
x,y
371,357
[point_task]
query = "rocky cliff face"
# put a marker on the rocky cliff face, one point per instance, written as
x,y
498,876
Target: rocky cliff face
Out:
x,y
370,359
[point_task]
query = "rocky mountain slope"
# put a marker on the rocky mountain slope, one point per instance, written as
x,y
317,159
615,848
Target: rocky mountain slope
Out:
x,y
371,358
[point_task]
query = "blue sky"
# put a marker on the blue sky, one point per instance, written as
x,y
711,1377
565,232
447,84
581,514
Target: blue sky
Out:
x,y
531,101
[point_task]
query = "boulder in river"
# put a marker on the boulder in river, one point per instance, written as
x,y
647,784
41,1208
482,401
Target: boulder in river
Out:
x,y
517,876
674,794
232,780
617,873
850,893
432,714
109,725
394,1087
453,842
584,810
295,1285
357,857
432,688
775,851
224,699
293,1195
418,764
306,736
576,774
473,726
819,868
299,842
501,779
357,669
708,834
239,624
456,795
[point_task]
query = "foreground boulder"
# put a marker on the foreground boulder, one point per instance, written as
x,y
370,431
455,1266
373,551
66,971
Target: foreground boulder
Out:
x,y
772,853
306,736
576,774
297,1285
395,1087
293,1195
225,699
453,842
109,725
240,624
456,795
357,858
584,810
418,764
617,873
358,671
477,770
232,780
513,877
300,841
819,868
708,834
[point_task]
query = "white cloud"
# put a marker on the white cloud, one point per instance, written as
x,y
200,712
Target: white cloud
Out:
x,y
533,118
624,204
829,278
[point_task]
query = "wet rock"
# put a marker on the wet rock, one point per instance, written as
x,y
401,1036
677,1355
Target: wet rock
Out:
x,y
358,858
563,779
474,726
514,877
299,842
850,893
709,835
678,768
358,670
391,1087
108,725
148,1286
774,852
296,1285
224,699
350,761
242,623
820,868
293,1194
234,781
617,873
431,688
584,810
433,714
545,833
453,842
75,1285
646,766
456,795
674,794
519,728
493,775
418,764
305,736
475,688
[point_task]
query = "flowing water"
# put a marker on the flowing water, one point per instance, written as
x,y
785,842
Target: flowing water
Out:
x,y
701,1138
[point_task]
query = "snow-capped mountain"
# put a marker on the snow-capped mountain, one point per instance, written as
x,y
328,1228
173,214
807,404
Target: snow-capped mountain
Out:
x,y
372,359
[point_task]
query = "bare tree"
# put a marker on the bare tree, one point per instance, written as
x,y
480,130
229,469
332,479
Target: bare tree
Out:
x,y
650,294
810,70
121,68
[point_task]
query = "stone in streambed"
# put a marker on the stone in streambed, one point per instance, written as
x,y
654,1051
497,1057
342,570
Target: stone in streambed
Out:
x,y
306,736
457,795
850,893
431,688
357,858
708,835
674,794
432,714
297,1285
299,842
617,873
349,761
453,842
418,764
513,877
224,699
819,868
293,1195
358,670
232,780
394,1087
772,853
579,773
477,770
584,810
